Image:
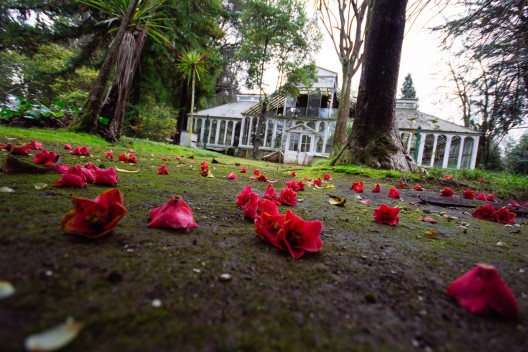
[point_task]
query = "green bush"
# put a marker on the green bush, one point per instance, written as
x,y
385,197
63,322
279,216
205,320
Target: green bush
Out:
x,y
153,121
517,156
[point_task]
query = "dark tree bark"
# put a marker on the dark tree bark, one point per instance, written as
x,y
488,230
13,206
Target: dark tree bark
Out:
x,y
374,139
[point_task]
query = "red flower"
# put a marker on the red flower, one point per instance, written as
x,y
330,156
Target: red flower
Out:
x,y
94,218
482,196
417,187
293,174
62,169
514,204
504,216
485,212
288,197
67,146
132,159
20,150
35,145
243,197
204,165
243,170
123,158
267,205
357,187
301,185
490,198
447,192
109,155
468,194
448,177
482,291
80,151
326,177
402,185
48,164
300,236
318,182
293,185
270,194
482,180
269,225
174,214
256,172
262,178
376,189
106,176
250,208
44,157
232,176
74,177
386,215
394,193
7,146
131,151
177,158
88,174
162,170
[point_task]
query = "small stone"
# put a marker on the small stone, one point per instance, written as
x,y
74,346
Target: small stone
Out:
x,y
6,190
521,271
501,244
156,303
48,273
225,277
197,271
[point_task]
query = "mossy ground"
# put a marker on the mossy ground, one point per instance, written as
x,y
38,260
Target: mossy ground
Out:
x,y
372,287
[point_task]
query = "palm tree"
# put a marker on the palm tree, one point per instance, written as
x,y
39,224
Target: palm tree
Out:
x,y
192,64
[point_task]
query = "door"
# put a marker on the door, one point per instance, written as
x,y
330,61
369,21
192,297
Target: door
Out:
x,y
298,148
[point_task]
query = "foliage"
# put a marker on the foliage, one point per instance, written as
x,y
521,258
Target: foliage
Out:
x,y
151,120
22,108
517,156
407,90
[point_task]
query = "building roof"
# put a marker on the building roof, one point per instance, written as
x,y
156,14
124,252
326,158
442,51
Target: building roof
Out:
x,y
231,110
412,119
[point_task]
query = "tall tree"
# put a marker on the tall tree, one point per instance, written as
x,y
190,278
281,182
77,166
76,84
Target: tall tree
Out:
x,y
374,140
407,90
276,34
343,21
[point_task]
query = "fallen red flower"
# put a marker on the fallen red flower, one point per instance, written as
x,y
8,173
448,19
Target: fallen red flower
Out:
x,y
251,206
317,182
174,214
74,177
20,150
67,146
109,155
122,158
490,198
204,165
357,186
448,177
394,193
447,192
482,180
300,236
177,158
132,159
288,197
131,151
262,178
243,170
514,204
386,215
35,145
88,174
256,172
293,174
482,291
49,164
402,185
243,197
504,216
7,146
62,169
326,177
232,176
80,151
107,177
485,212
418,188
301,185
482,196
162,170
376,189
94,218
293,185
271,195
269,224
44,157
468,194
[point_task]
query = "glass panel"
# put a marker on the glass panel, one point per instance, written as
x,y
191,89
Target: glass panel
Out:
x,y
466,153
330,140
453,152
222,131
405,139
306,140
294,142
212,131
229,132
413,145
320,138
428,150
197,128
246,131
440,150
269,136
278,135
311,124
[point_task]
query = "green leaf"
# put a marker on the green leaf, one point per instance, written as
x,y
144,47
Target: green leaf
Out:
x,y
104,120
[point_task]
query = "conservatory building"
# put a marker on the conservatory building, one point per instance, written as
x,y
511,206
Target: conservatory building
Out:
x,y
300,129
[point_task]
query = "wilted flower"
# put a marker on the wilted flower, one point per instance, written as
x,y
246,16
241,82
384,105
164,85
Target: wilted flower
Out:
x,y
326,177
251,206
35,145
293,174
80,151
386,215
256,172
317,182
485,212
447,192
300,236
468,194
109,155
107,177
514,204
74,177
402,185
232,176
67,146
243,170
174,214
482,196
504,216
417,187
163,170
376,189
243,197
394,193
490,197
293,185
288,197
448,177
271,195
45,157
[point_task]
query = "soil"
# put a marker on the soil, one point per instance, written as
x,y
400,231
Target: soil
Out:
x,y
44,121
371,288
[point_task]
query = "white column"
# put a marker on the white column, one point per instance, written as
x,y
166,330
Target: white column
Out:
x,y
233,133
460,151
225,131
265,133
274,136
447,150
409,142
433,154
240,143
474,152
421,146
250,142
217,134
202,131
209,131
325,136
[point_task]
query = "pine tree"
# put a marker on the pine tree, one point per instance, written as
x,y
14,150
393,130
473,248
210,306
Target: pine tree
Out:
x,y
408,91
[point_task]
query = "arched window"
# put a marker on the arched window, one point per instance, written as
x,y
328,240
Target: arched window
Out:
x,y
269,135
467,153
222,131
428,150
230,125
440,150
320,139
212,131
453,152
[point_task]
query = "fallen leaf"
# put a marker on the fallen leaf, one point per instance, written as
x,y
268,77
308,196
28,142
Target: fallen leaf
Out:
x,y
329,187
6,190
365,201
128,171
6,289
428,219
335,200
209,174
54,338
431,234
13,165
358,197
40,185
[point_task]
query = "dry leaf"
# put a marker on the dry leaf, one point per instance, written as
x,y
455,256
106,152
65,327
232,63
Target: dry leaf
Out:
x,y
40,185
329,186
6,190
6,289
428,219
335,200
13,165
209,174
54,338
365,201
431,234
128,171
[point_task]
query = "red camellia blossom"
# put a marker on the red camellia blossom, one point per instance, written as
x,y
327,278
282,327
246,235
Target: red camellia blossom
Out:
x,y
482,196
250,208
107,177
162,170
7,146
48,164
132,159
80,151
123,158
376,189
318,182
204,165
35,145
67,146
386,215
288,197
177,158
301,185
326,177
262,178
243,197
514,204
468,194
485,212
271,195
243,170
357,186
394,193
45,157
131,151
402,185
256,172
447,192
88,174
293,174
94,218
174,214
20,150
232,176
418,188
293,185
483,291
61,169
490,198
74,177
300,236
109,155
269,225
504,216
448,177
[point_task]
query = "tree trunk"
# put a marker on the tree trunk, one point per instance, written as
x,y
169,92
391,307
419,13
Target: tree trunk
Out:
x,y
344,108
374,139
192,109
87,119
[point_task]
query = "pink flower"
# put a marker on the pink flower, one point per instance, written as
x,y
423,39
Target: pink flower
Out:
x,y
270,194
177,158
232,176
482,196
447,192
250,208
386,215
293,185
123,158
394,193
482,291
402,185
88,174
293,174
20,150
365,201
326,177
418,188
132,159
357,187
256,172
174,214
300,236
243,170
288,197
514,204
376,189
300,184
243,197
490,198
44,157
317,182
131,151
61,169
163,170
504,216
448,177
80,151
35,145
468,194
74,177
67,146
485,212
109,155
107,177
